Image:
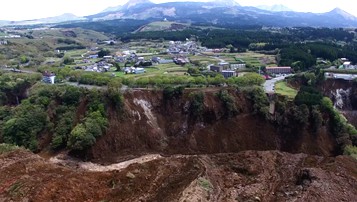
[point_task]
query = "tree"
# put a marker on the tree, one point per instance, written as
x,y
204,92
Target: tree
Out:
x,y
67,60
117,66
80,139
24,59
103,52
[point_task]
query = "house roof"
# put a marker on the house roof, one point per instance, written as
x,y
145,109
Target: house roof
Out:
x,y
278,67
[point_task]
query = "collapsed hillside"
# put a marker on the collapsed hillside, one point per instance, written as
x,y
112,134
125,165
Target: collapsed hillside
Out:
x,y
155,124
244,176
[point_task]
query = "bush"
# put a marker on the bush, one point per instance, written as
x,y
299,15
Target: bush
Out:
x,y
351,151
228,103
170,93
316,119
24,128
197,104
80,139
4,148
259,99
309,96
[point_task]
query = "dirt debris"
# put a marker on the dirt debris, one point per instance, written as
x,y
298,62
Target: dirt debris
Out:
x,y
244,176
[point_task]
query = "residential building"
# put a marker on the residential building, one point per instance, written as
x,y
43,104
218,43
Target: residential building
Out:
x,y
48,77
229,73
225,65
215,68
278,70
235,66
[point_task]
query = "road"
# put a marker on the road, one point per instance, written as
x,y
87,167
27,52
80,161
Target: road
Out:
x,y
19,71
269,85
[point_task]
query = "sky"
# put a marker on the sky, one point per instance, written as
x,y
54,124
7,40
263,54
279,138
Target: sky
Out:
x,y
33,9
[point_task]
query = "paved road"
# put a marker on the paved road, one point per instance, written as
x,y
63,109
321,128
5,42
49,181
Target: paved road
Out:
x,y
269,85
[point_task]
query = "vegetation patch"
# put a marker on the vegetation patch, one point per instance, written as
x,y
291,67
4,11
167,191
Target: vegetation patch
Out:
x,y
4,148
228,103
351,151
283,88
205,184
197,105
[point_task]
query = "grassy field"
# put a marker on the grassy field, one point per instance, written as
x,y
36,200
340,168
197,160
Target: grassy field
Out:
x,y
257,59
157,70
204,60
159,26
283,88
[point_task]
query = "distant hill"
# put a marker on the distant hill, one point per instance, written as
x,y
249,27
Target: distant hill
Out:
x,y
50,20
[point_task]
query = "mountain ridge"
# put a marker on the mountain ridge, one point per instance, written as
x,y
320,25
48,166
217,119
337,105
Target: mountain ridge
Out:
x,y
222,12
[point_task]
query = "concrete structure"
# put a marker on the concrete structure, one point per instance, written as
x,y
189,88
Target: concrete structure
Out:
x,y
278,70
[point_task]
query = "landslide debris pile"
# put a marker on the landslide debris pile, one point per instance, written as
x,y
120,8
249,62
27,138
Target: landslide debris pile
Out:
x,y
244,176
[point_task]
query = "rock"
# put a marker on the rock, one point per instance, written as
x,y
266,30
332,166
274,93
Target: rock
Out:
x,y
130,175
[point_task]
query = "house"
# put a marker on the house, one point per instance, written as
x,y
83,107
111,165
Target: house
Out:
x,y
108,57
155,59
344,59
48,77
133,70
139,70
347,65
94,56
235,66
181,60
165,61
225,65
278,70
214,68
228,73
3,42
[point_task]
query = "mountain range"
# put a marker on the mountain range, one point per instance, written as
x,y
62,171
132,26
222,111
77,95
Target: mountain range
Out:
x,y
221,12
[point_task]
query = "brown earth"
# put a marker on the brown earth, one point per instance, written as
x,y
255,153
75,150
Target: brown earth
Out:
x,y
244,176
152,125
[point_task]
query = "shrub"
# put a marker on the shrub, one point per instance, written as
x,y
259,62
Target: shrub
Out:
x,y
316,118
259,99
197,104
228,103
80,139
4,148
308,96
351,151
170,93
24,128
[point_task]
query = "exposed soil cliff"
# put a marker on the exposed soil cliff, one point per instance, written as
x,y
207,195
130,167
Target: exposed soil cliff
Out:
x,y
153,125
244,176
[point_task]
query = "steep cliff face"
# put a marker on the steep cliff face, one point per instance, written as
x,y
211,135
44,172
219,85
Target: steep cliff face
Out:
x,y
344,95
151,124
